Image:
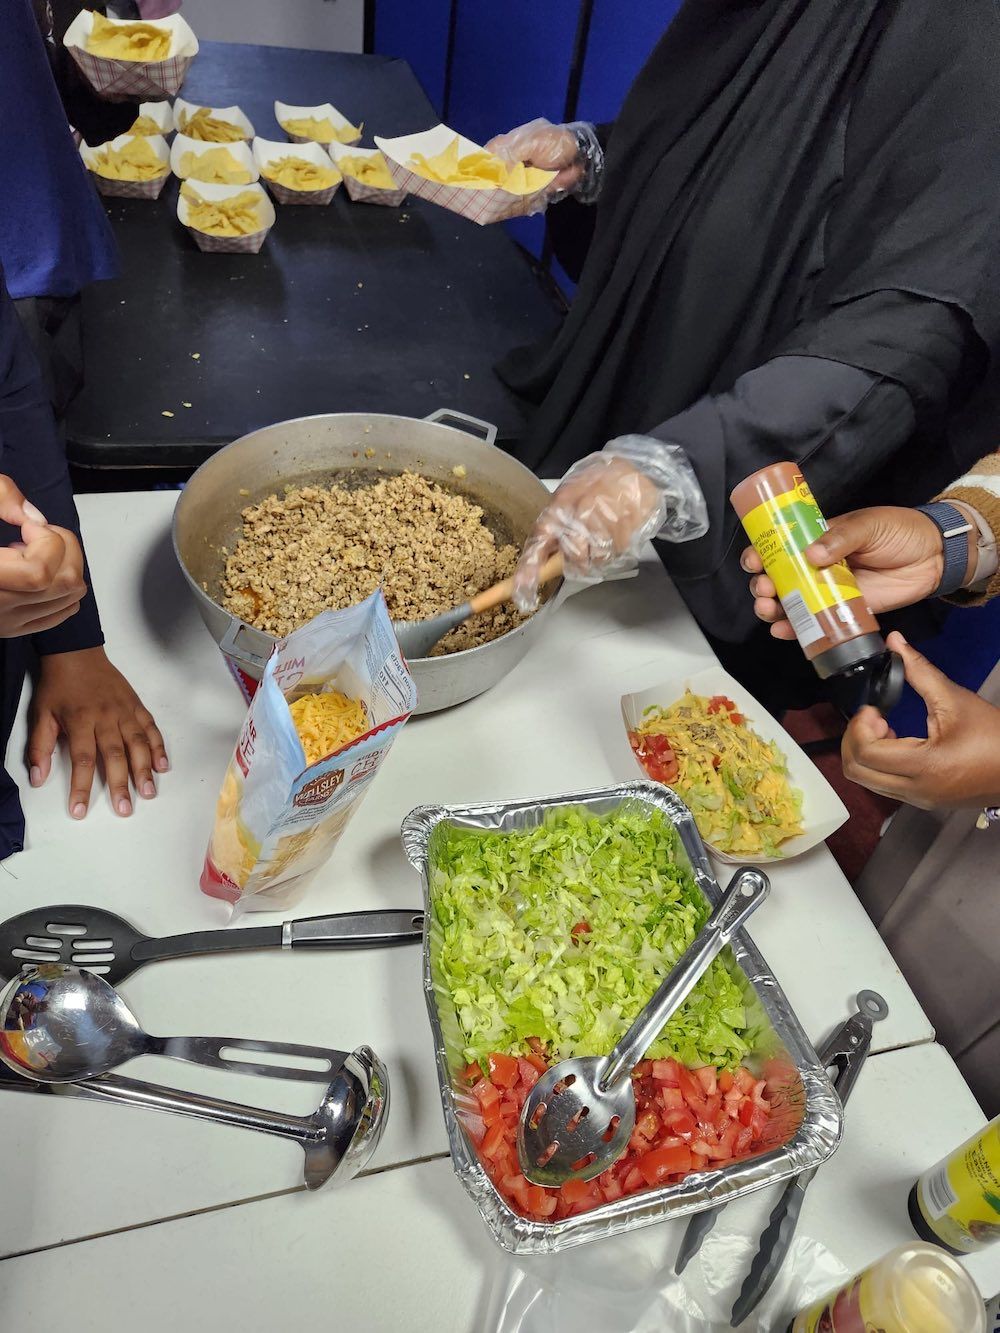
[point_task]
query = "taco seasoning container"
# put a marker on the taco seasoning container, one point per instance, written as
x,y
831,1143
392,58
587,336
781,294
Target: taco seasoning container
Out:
x,y
825,607
957,1203
915,1289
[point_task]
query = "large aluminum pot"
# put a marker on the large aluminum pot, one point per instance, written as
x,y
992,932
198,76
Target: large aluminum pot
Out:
x,y
347,447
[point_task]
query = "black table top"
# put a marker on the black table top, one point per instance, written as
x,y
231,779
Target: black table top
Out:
x,y
351,307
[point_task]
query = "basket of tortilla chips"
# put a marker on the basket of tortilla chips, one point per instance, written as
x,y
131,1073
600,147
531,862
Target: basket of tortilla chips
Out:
x,y
316,124
132,166
129,58
212,163
154,118
212,124
367,178
233,219
299,174
458,174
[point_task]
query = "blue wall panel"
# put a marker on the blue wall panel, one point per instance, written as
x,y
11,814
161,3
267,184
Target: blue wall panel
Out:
x,y
417,31
621,37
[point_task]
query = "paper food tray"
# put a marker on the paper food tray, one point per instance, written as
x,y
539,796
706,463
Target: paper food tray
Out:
x,y
272,150
247,245
480,206
233,114
806,1118
123,80
360,191
182,144
129,189
160,112
823,812
284,112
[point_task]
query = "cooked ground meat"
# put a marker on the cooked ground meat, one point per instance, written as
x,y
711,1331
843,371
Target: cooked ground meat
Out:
x,y
317,547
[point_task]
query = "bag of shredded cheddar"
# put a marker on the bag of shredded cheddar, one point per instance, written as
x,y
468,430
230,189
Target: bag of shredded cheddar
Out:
x,y
332,699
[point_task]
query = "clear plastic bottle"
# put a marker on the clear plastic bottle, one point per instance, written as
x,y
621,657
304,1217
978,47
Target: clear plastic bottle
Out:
x,y
915,1289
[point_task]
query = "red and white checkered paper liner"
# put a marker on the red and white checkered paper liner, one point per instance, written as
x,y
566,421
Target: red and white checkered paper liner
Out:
x,y
124,80
236,245
360,191
270,150
151,189
481,206
283,112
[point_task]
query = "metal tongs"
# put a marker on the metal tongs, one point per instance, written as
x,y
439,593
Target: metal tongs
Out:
x,y
844,1051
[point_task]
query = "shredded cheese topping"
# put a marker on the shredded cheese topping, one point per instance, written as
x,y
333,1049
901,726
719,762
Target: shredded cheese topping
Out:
x,y
327,722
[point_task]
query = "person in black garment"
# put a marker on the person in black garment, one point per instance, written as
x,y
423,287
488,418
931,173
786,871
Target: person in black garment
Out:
x,y
792,255
54,238
78,691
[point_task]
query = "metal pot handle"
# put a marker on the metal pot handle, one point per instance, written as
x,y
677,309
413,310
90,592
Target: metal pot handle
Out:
x,y
482,430
240,642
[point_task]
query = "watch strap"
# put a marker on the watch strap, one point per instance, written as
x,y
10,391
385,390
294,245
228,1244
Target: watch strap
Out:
x,y
954,527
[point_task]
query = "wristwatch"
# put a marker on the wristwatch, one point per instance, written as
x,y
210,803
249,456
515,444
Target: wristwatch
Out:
x,y
954,527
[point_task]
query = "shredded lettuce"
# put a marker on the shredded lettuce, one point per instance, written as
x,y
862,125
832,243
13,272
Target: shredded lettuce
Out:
x,y
507,903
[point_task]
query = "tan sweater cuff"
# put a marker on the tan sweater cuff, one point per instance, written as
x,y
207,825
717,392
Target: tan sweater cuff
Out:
x,y
987,504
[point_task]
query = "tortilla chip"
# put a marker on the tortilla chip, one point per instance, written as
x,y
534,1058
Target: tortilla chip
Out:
x,y
128,41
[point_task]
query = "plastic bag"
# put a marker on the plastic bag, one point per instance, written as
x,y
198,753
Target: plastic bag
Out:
x,y
279,817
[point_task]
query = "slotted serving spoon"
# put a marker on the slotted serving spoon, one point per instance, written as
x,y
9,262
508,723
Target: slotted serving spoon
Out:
x,y
579,1116
106,944
416,638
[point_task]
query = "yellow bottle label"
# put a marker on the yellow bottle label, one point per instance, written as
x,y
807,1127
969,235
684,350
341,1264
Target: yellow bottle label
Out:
x,y
781,528
960,1197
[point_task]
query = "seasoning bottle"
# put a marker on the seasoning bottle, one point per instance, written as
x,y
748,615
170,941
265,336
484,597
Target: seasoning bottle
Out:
x,y
915,1289
825,607
957,1203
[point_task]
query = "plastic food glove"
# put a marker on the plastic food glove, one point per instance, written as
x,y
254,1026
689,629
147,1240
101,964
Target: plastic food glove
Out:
x,y
897,556
573,151
606,507
957,765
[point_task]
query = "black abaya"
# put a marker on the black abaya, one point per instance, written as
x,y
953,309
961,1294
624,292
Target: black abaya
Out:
x,y
794,255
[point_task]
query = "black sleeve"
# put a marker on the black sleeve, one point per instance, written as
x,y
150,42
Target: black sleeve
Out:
x,y
95,119
570,225
33,456
843,423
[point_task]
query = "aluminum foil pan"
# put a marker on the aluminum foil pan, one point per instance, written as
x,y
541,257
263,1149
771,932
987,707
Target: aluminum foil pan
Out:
x,y
806,1121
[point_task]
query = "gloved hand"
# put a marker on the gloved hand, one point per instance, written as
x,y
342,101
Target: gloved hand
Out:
x,y
572,151
606,507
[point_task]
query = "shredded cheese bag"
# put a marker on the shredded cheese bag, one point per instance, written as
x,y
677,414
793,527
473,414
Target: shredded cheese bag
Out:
x,y
133,161
332,699
327,722
146,125
207,128
237,216
298,173
372,171
217,166
478,171
128,41
321,130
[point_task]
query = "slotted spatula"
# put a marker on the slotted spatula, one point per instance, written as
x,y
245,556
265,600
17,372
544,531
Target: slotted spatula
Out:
x,y
105,943
578,1118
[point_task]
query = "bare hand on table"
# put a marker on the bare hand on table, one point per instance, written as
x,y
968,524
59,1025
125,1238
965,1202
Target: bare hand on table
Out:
x,y
83,697
541,144
41,578
897,556
957,765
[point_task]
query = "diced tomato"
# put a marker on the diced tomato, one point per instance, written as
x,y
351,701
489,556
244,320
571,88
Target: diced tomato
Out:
x,y
701,1148
612,1191
656,755
713,1108
547,1204
581,928
663,1162
633,1181
671,1099
503,1069
743,1080
493,1141
759,1089
648,1124
725,1081
485,1093
747,1109
744,1137
575,1190
471,1073
707,1076
528,1071
539,1061
667,1072
474,1126
680,1122
643,1069
689,1085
